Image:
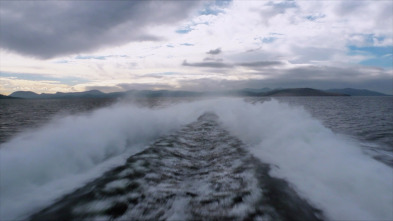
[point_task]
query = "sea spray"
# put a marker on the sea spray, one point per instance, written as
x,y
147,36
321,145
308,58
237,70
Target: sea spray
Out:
x,y
36,167
327,169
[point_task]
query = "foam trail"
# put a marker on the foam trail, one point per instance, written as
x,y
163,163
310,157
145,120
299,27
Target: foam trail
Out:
x,y
37,167
329,170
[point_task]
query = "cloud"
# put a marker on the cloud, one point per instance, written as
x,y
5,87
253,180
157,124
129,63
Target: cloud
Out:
x,y
46,29
267,43
144,86
67,80
207,64
213,59
218,63
319,77
261,64
91,57
129,86
214,52
11,84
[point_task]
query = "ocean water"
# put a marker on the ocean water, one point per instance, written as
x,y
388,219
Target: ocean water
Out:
x,y
335,152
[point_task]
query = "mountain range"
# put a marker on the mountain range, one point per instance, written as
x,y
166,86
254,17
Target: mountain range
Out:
x,y
250,92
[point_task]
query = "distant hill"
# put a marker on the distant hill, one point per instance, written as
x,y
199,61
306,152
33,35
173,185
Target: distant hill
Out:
x,y
25,94
248,92
356,92
86,94
300,92
8,97
99,94
32,95
252,92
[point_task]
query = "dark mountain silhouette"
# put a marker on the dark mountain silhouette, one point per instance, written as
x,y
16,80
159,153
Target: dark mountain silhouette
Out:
x,y
248,92
25,94
356,92
32,95
301,92
8,97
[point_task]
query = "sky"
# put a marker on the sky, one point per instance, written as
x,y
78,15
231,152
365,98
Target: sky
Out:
x,y
71,46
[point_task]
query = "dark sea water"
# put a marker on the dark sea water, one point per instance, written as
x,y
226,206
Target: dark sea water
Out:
x,y
366,118
19,115
332,158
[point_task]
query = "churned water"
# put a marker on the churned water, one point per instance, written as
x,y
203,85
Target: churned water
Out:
x,y
335,152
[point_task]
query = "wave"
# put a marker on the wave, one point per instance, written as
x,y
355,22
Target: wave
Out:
x,y
326,168
36,167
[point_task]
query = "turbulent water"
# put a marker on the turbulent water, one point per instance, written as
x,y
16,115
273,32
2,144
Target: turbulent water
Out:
x,y
248,159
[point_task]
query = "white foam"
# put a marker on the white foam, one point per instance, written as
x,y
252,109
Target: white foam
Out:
x,y
327,169
36,167
116,184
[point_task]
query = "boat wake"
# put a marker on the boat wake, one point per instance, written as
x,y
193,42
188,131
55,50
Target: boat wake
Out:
x,y
240,160
201,172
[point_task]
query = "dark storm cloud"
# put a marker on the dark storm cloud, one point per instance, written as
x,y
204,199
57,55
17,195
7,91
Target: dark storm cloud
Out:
x,y
319,77
214,52
331,72
48,29
326,77
208,64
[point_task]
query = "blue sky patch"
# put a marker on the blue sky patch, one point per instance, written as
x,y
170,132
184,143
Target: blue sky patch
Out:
x,y
371,39
188,28
223,3
187,44
210,11
61,62
314,17
215,8
266,40
91,57
282,6
384,62
184,30
382,56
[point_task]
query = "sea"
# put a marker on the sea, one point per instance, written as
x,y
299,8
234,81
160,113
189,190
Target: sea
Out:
x,y
331,156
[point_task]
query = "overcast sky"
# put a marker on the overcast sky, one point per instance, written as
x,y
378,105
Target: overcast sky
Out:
x,y
50,46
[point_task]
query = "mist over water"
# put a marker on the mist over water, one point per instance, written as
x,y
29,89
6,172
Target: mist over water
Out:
x,y
328,169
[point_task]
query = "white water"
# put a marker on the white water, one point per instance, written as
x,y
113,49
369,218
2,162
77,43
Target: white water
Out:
x,y
36,167
327,169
